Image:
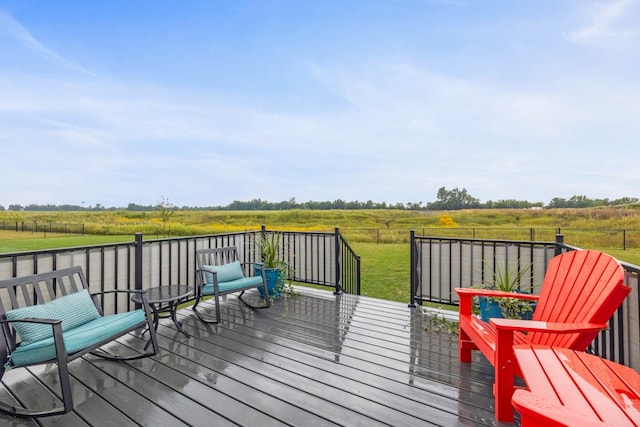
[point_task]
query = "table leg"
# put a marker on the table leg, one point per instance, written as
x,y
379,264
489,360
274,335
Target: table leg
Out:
x,y
174,308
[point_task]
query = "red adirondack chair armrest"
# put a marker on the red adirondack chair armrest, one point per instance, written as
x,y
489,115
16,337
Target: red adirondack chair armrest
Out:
x,y
472,292
537,326
466,295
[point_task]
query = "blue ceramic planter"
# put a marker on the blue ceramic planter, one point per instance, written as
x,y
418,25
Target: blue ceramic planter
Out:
x,y
272,276
489,308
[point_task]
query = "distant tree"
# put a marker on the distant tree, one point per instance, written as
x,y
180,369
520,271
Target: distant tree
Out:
x,y
557,202
139,208
511,204
580,202
166,211
454,200
625,201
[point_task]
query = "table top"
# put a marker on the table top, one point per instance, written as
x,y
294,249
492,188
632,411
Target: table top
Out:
x,y
168,293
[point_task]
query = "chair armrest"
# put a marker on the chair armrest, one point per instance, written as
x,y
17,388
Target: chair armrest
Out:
x,y
33,320
142,292
537,326
254,264
466,295
199,272
471,292
251,263
119,291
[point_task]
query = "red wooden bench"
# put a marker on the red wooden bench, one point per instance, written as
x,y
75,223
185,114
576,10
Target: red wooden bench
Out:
x,y
580,292
572,388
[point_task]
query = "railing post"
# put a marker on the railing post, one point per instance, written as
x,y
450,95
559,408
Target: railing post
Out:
x,y
137,262
337,260
358,276
263,230
559,243
412,268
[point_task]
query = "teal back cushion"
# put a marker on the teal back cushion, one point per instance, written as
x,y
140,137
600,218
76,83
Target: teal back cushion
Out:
x,y
73,309
226,272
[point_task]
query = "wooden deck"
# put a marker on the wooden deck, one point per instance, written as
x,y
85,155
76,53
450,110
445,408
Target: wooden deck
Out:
x,y
312,359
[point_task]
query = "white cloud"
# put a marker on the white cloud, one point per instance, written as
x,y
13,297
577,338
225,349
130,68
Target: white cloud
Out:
x,y
609,24
385,131
17,32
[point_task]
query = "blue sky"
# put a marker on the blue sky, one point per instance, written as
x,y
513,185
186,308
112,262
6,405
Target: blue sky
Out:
x,y
207,102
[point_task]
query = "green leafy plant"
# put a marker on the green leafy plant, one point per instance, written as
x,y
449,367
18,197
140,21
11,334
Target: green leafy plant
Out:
x,y
439,323
269,246
507,279
270,250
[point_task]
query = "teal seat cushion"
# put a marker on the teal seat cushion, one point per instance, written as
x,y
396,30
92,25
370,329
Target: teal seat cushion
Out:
x,y
226,272
233,286
73,309
78,338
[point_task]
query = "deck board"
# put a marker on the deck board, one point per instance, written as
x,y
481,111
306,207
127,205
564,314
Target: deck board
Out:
x,y
312,359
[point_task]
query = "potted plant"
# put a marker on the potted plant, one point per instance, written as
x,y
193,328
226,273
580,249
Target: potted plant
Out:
x,y
506,279
276,270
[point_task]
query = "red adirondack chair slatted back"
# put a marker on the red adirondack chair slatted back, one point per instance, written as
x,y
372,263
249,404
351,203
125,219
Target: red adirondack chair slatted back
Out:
x,y
579,287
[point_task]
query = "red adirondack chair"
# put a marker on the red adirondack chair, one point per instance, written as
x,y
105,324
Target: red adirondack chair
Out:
x,y
580,292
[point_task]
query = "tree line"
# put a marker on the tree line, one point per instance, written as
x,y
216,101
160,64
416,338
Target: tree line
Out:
x,y
454,199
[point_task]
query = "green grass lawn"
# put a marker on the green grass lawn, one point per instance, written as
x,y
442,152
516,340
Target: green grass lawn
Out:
x,y
11,241
384,270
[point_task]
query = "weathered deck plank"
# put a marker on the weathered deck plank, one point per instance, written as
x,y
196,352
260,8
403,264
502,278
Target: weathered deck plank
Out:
x,y
313,359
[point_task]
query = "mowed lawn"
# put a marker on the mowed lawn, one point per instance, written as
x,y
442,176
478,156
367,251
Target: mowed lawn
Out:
x,y
385,270
18,241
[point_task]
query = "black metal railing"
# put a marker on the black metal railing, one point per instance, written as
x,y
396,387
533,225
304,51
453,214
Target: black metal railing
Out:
x,y
323,259
319,258
439,264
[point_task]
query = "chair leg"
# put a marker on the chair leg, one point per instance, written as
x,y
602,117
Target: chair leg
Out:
x,y
503,387
207,319
464,349
67,399
265,305
65,385
202,317
152,339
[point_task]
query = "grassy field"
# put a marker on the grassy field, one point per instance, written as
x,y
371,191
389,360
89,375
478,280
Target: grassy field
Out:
x,y
12,241
379,237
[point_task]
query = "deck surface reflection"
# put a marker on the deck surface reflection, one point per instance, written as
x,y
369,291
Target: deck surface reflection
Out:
x,y
313,359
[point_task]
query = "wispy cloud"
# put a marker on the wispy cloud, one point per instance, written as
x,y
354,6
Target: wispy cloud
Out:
x,y
387,128
609,24
17,32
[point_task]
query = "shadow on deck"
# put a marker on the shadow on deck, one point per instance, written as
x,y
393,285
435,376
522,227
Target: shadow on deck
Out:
x,y
313,359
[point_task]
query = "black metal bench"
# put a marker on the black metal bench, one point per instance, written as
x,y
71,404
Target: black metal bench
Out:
x,y
52,318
